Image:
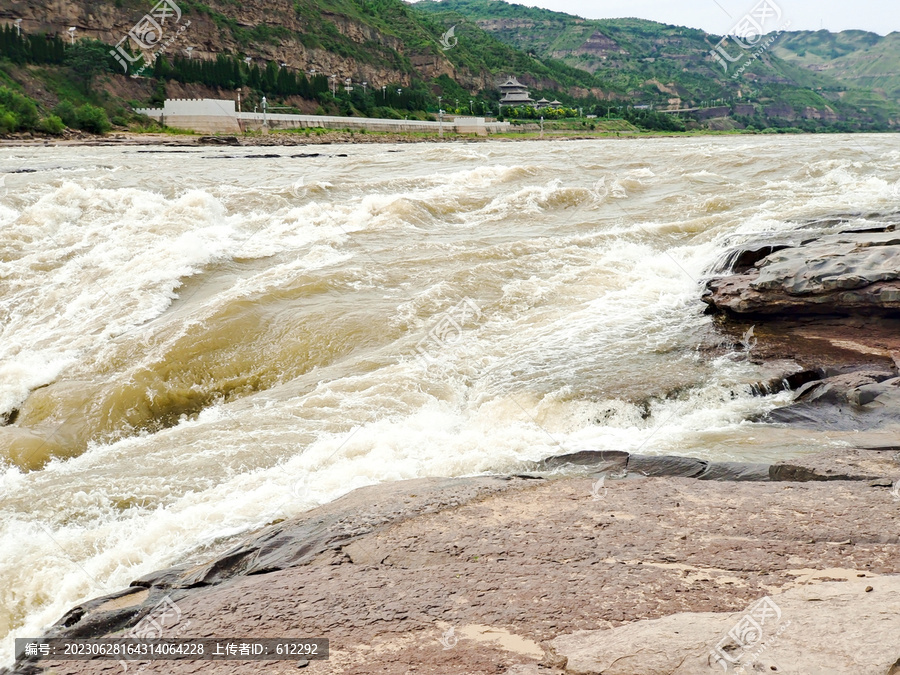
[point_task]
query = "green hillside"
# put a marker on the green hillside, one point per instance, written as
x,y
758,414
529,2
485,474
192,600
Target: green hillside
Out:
x,y
625,53
659,64
298,53
391,44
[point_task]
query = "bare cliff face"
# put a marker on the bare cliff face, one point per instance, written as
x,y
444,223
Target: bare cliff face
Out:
x,y
215,31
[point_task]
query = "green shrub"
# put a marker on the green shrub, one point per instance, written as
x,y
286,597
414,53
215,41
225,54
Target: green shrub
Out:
x,y
93,119
8,122
66,112
21,109
51,125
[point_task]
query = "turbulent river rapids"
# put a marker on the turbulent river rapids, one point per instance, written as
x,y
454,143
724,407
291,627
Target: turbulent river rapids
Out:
x,y
196,342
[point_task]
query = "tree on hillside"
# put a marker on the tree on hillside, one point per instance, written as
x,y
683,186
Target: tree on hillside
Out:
x,y
86,59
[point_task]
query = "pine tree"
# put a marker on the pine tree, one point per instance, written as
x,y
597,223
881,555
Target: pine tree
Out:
x,y
270,78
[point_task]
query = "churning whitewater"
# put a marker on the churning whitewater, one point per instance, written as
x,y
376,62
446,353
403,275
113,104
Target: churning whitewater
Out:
x,y
197,342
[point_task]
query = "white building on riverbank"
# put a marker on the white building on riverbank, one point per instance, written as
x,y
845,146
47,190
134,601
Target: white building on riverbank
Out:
x,y
211,116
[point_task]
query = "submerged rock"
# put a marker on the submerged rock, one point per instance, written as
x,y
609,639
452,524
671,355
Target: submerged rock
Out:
x,y
861,401
218,140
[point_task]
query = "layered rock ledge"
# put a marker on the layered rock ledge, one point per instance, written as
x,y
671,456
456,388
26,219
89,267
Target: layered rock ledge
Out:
x,y
829,307
845,273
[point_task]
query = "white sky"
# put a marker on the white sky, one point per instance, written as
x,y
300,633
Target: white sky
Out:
x,y
878,16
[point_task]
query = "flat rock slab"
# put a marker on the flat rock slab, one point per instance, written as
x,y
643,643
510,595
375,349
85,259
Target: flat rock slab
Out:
x,y
487,584
835,628
844,464
334,526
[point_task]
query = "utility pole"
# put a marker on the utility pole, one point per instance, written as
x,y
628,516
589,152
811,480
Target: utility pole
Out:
x,y
440,117
542,126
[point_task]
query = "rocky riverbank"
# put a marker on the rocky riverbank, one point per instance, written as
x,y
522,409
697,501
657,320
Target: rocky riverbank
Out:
x,y
329,137
250,140
503,574
283,139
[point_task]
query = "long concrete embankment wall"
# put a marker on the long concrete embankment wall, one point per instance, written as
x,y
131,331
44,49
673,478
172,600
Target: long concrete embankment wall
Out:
x,y
220,116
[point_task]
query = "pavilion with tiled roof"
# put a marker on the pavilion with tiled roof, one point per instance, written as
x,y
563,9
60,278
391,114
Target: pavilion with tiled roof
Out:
x,y
515,93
